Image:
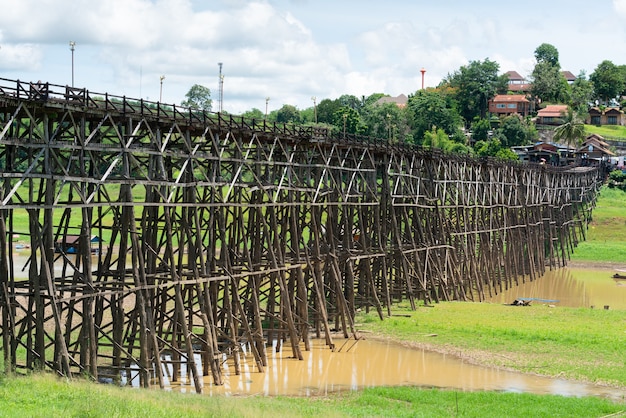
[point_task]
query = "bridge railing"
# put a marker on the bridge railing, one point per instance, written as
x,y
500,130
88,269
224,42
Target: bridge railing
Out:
x,y
83,98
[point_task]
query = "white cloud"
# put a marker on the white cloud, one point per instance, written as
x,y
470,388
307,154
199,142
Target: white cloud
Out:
x,y
620,7
285,49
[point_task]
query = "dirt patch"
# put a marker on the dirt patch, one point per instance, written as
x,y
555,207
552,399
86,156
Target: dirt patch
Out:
x,y
597,265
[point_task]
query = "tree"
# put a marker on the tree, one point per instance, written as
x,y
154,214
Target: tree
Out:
x,y
427,109
348,121
254,113
480,129
547,53
439,139
198,97
474,85
581,92
386,121
572,130
608,81
515,131
548,84
287,114
494,148
326,110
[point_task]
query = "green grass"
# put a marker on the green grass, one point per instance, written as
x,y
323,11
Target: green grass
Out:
x,y
46,396
606,236
577,344
608,131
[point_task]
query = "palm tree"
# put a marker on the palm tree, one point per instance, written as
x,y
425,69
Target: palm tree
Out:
x,y
572,130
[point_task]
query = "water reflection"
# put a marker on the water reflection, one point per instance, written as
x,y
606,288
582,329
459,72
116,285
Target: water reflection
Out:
x,y
374,363
572,287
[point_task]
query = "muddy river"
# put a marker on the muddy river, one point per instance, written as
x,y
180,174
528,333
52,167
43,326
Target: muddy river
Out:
x,y
369,363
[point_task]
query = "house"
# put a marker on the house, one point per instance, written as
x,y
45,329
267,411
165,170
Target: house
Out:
x,y
551,115
517,83
400,101
594,148
545,152
508,104
569,76
606,116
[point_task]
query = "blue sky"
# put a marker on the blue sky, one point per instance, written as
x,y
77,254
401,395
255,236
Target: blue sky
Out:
x,y
293,50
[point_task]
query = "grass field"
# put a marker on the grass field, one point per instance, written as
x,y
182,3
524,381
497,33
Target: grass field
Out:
x,y
607,131
606,235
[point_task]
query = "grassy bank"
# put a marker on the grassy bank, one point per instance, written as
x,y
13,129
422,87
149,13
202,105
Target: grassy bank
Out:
x,y
581,344
45,396
606,236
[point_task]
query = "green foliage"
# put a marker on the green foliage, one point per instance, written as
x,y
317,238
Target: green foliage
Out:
x,y
617,178
494,148
386,121
198,97
547,53
572,130
254,114
608,80
581,93
548,84
349,121
480,129
430,108
516,131
326,110
288,114
474,84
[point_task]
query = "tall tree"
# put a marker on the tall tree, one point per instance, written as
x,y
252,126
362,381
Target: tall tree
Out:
x,y
581,93
608,81
547,53
515,130
326,110
475,84
428,109
388,121
548,84
198,97
288,113
572,130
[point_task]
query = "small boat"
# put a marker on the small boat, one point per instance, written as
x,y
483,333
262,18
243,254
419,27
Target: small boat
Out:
x,y
619,276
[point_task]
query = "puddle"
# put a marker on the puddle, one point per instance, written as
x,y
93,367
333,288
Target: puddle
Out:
x,y
572,287
374,363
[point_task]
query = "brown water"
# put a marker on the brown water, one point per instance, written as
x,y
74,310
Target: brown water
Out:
x,y
374,363
573,287
368,363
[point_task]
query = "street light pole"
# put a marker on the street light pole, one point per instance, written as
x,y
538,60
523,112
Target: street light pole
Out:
x,y
72,47
161,89
221,88
314,108
267,101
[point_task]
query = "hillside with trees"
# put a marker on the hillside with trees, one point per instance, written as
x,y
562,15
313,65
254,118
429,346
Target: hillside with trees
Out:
x,y
454,116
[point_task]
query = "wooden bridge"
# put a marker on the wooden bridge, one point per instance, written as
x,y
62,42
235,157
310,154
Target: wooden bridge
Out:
x,y
215,233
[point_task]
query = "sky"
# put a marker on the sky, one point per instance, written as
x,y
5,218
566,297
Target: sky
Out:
x,y
295,52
